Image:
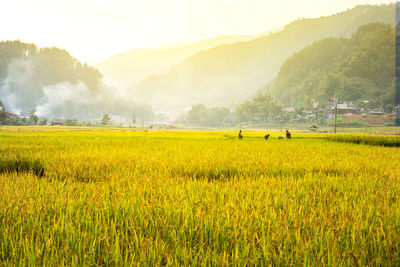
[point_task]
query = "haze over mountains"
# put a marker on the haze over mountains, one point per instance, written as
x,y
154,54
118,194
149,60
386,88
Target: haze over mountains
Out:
x,y
230,73
130,68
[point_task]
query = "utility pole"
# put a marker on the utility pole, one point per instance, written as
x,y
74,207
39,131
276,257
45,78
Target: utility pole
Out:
x,y
398,63
336,114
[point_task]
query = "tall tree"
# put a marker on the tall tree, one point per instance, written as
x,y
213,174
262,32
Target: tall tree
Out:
x,y
33,118
134,120
259,108
106,120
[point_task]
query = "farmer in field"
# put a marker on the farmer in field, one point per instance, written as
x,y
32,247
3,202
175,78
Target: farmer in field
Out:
x,y
288,135
240,135
266,137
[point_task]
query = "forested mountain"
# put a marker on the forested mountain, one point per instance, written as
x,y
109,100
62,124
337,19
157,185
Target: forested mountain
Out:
x,y
359,68
54,84
130,68
232,73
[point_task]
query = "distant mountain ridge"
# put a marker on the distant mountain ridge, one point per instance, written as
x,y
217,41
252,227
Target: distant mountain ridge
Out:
x,y
130,68
230,73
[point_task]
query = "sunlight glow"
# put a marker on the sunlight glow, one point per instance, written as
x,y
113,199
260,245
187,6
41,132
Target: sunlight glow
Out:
x,y
93,30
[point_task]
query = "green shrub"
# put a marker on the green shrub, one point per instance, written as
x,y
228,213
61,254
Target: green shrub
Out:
x,y
353,123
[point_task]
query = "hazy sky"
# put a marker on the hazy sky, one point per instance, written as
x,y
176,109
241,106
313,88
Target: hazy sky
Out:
x,y
93,30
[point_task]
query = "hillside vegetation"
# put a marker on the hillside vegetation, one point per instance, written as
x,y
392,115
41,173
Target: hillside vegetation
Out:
x,y
359,68
231,73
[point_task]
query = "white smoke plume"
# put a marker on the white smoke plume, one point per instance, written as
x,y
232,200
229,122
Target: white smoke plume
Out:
x,y
15,84
61,95
22,90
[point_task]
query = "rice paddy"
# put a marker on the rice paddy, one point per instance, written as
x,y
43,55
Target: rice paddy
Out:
x,y
82,197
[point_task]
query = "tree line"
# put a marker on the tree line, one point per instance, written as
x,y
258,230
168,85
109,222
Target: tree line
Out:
x,y
260,108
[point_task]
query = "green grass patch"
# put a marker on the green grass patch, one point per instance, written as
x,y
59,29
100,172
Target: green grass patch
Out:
x,y
22,165
372,140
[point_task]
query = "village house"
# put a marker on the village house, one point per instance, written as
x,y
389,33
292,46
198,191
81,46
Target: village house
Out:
x,y
309,114
347,107
332,101
289,109
56,122
375,111
11,115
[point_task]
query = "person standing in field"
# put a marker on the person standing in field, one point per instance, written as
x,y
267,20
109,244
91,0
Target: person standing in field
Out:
x,y
266,137
240,135
288,135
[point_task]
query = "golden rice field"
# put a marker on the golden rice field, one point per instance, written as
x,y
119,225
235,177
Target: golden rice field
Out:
x,y
82,197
